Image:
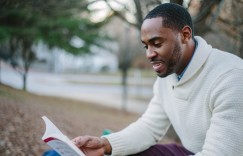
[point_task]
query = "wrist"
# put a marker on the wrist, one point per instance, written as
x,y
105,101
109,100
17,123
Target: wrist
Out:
x,y
106,146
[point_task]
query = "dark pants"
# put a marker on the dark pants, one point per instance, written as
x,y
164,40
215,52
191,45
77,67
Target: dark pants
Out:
x,y
165,150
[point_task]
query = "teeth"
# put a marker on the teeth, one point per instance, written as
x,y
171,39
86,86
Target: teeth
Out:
x,y
156,65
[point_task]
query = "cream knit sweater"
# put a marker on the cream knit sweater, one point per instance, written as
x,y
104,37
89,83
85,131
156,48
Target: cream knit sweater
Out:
x,y
205,107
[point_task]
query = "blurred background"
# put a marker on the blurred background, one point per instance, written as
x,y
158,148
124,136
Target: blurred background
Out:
x,y
71,59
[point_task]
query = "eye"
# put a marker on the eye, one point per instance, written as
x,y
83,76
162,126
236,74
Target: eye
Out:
x,y
157,45
145,47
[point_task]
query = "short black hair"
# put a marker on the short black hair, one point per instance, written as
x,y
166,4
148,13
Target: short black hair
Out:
x,y
174,16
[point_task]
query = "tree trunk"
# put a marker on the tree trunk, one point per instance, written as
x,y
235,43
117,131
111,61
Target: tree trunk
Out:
x,y
139,13
0,70
24,81
125,65
241,45
180,2
25,74
27,57
124,88
200,25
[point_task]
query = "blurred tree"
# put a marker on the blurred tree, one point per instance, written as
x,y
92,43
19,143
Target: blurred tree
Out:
x,y
57,23
206,11
141,8
232,20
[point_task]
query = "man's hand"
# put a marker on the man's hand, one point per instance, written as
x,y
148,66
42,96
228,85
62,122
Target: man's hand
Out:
x,y
93,146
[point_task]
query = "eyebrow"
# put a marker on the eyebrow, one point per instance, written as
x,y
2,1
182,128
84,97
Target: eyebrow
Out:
x,y
154,39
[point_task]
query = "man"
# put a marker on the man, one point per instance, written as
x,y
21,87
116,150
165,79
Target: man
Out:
x,y
199,90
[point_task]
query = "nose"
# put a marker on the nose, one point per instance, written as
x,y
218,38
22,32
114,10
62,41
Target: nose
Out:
x,y
150,53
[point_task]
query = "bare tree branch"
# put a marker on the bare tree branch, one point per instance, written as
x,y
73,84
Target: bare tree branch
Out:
x,y
139,13
180,2
200,20
216,14
120,15
205,10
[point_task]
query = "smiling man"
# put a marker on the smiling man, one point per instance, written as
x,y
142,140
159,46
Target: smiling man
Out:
x,y
168,50
198,90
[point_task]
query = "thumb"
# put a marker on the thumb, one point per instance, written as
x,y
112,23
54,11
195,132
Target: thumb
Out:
x,y
80,141
93,142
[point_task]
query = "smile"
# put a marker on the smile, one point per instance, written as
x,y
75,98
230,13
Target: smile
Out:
x,y
158,66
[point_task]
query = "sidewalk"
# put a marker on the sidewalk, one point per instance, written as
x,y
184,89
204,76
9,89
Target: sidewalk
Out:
x,y
63,85
132,105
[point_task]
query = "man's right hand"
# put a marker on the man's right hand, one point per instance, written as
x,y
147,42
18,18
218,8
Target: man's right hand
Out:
x,y
93,146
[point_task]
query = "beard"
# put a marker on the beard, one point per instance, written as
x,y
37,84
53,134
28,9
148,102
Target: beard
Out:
x,y
172,63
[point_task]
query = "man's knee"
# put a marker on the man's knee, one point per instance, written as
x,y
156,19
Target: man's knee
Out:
x,y
164,150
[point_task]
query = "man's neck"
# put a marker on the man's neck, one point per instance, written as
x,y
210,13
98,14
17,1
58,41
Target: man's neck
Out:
x,y
179,76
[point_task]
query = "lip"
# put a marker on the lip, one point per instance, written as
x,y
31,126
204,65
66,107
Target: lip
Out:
x,y
158,65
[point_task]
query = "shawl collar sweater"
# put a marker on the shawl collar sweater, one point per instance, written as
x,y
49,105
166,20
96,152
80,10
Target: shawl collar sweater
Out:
x,y
205,108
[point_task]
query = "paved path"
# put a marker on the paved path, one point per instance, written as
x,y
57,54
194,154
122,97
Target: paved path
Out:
x,y
90,88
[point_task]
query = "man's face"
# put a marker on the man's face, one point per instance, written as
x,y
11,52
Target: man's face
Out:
x,y
162,46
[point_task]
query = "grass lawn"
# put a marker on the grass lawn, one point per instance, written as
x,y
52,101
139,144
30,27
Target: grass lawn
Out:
x,y
21,125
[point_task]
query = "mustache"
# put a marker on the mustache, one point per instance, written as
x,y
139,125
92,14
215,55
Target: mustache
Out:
x,y
156,59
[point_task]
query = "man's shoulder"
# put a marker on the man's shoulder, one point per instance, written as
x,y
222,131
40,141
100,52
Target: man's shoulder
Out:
x,y
227,60
223,65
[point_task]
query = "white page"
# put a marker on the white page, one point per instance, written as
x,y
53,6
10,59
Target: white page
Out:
x,y
59,142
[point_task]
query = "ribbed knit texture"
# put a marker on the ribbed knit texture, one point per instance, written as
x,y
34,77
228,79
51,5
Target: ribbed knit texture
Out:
x,y
205,107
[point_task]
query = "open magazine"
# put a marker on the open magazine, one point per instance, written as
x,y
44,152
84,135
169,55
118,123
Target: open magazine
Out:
x,y
58,141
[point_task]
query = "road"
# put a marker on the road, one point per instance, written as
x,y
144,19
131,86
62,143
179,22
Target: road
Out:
x,y
88,88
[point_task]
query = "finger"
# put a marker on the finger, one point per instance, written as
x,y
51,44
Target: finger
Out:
x,y
80,141
94,142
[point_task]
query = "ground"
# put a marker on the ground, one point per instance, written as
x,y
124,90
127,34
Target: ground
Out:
x,y
21,125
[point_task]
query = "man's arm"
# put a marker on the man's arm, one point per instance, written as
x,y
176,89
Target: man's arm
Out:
x,y
145,132
107,146
138,136
224,137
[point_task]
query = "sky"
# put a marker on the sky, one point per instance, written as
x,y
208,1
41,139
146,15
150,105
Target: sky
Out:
x,y
102,9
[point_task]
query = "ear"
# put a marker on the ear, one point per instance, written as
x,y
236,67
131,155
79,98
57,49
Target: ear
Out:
x,y
186,33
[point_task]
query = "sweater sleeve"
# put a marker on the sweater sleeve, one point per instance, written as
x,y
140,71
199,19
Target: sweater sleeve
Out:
x,y
143,133
224,137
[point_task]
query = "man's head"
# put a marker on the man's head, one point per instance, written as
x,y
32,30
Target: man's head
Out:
x,y
167,33
174,16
